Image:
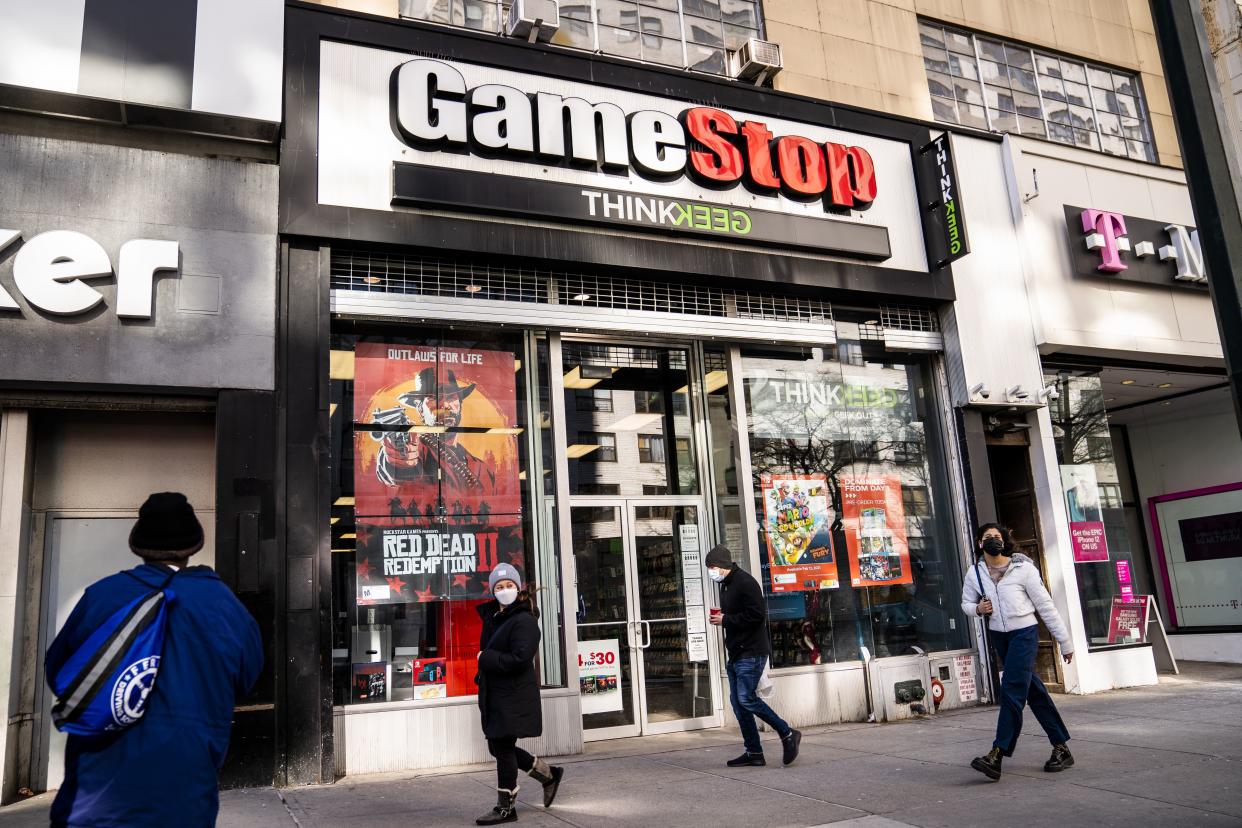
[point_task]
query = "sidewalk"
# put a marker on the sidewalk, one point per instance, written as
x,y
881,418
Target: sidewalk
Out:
x,y
1167,755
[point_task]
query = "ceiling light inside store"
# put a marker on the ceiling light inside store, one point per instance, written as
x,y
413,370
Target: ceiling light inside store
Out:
x,y
579,450
634,422
575,379
1166,402
334,520
581,297
714,381
474,288
1110,399
503,431
341,365
350,536
344,501
1165,385
1127,382
371,280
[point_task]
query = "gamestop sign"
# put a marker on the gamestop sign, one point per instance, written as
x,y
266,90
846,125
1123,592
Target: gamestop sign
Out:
x,y
397,132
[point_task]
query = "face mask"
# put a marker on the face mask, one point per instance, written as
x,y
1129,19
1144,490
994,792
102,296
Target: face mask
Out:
x,y
506,596
716,575
993,546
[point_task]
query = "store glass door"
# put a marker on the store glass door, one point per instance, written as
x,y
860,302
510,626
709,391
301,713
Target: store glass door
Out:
x,y
645,665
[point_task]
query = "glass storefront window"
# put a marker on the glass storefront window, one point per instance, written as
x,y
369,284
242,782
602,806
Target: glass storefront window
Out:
x,y
640,442
1105,525
855,547
433,457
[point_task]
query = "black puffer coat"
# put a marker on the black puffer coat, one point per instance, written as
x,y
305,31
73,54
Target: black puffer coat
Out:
x,y
508,683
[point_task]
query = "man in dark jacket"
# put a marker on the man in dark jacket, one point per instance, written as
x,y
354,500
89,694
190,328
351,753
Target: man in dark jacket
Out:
x,y
163,769
743,615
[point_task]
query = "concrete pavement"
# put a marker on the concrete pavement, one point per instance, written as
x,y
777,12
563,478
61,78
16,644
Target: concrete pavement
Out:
x,y
1166,755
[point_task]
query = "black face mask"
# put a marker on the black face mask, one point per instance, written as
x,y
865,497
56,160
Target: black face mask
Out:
x,y
993,546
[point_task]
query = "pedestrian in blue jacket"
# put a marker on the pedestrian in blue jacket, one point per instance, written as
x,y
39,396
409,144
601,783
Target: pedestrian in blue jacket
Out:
x,y
163,769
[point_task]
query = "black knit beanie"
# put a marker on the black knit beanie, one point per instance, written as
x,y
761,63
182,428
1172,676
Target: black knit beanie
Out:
x,y
167,529
720,557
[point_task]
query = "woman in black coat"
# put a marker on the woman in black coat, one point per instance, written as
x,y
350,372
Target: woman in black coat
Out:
x,y
509,692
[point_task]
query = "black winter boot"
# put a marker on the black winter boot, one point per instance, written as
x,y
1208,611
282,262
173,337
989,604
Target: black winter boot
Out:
x,y
789,746
549,776
505,810
1061,759
754,760
990,765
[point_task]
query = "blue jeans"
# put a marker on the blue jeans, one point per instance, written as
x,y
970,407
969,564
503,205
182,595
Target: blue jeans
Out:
x,y
1020,686
744,676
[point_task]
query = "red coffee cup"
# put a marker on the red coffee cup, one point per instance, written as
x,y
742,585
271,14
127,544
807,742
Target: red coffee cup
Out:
x,y
715,611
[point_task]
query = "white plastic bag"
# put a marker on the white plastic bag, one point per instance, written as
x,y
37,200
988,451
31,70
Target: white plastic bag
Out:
x,y
766,688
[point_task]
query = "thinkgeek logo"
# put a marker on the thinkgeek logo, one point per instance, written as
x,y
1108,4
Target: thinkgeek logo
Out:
x,y
434,108
1106,234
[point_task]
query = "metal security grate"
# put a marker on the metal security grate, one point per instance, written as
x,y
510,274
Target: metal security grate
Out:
x,y
430,276
381,273
906,318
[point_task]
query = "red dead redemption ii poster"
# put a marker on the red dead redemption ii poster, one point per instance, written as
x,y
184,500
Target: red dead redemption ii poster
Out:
x,y
436,487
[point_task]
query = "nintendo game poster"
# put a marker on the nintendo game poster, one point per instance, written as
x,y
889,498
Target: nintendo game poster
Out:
x,y
875,531
436,487
445,437
796,524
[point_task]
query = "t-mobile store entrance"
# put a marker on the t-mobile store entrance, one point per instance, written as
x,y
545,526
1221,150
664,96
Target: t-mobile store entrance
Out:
x,y
529,358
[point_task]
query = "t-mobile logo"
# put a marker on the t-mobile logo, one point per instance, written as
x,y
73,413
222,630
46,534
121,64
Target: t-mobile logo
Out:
x,y
1106,232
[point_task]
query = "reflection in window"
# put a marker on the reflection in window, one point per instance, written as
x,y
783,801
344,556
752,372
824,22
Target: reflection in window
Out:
x,y
854,551
1091,486
690,34
1006,87
648,405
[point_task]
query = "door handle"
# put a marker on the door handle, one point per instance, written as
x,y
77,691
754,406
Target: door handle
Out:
x,y
647,626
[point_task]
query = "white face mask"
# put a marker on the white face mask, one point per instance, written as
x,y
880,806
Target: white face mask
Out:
x,y
715,574
506,596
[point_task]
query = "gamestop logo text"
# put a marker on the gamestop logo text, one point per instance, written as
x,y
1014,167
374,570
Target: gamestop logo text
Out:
x,y
434,108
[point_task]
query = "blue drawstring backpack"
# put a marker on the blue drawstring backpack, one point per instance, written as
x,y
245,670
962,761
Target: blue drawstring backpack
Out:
x,y
103,687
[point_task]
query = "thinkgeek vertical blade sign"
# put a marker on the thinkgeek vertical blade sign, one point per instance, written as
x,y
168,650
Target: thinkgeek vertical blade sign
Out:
x,y
938,176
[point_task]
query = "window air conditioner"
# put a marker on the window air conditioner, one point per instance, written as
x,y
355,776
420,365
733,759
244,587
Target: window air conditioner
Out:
x,y
756,61
533,19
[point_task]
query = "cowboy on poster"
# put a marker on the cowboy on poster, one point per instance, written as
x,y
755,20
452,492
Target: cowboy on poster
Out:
x,y
442,437
875,531
796,524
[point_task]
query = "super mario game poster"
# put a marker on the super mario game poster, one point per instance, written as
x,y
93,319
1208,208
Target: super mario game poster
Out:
x,y
796,525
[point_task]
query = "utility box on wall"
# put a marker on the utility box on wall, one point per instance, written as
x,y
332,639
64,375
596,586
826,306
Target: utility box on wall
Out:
x,y
899,686
961,681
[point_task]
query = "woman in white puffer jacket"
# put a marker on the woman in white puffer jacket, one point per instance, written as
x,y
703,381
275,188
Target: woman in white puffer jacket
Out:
x,y
1008,591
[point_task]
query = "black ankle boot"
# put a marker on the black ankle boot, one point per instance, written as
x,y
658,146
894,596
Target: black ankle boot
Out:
x,y
505,810
1061,759
549,776
989,765
754,760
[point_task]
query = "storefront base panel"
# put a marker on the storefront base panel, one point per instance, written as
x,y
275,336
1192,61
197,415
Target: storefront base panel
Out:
x,y
447,735
1222,647
1114,669
815,697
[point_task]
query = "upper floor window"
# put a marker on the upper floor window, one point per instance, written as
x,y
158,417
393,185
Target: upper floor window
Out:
x,y
691,34
992,84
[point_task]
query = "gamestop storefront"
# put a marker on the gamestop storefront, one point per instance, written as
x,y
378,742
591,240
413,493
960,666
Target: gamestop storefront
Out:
x,y
592,318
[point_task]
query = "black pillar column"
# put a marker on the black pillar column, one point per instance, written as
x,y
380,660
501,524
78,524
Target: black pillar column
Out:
x,y
305,692
1211,171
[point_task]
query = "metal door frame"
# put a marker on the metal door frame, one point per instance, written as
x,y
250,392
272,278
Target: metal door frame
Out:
x,y
634,623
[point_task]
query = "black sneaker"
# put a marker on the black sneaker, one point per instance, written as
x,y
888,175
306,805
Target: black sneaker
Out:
x,y
754,760
989,765
1061,759
789,746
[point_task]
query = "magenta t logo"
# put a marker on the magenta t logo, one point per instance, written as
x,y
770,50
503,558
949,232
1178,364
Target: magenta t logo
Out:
x,y
1106,233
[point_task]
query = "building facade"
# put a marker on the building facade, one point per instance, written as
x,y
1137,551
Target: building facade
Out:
x,y
591,306
137,310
